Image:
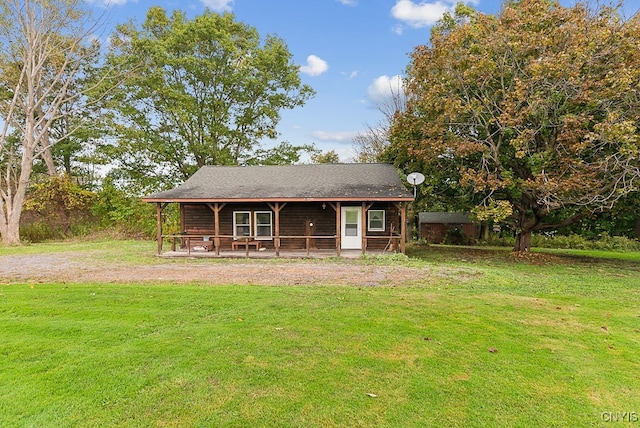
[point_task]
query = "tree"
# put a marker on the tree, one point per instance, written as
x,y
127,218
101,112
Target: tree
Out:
x,y
42,47
371,145
283,154
60,201
327,157
200,92
534,110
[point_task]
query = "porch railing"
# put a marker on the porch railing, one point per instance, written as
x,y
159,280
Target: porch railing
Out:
x,y
213,241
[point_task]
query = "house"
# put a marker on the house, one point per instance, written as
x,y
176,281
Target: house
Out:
x,y
289,207
437,227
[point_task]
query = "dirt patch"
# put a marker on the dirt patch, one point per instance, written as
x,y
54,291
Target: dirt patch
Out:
x,y
78,267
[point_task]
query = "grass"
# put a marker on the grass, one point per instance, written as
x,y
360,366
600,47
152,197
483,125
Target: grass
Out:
x,y
492,340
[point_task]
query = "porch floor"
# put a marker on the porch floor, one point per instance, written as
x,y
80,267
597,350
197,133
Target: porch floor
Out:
x,y
271,254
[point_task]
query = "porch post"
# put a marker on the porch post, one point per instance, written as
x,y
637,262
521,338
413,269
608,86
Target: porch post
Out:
x,y
277,237
216,227
216,207
338,229
159,207
403,229
364,228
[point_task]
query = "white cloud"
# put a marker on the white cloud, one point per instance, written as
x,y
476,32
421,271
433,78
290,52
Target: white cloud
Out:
x,y
339,137
348,2
109,3
384,88
218,5
423,14
315,66
351,75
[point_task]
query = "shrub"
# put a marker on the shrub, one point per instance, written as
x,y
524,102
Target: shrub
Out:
x,y
116,209
55,208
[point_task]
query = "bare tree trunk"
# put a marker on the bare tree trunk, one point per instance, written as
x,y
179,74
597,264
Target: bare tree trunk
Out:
x,y
47,156
13,204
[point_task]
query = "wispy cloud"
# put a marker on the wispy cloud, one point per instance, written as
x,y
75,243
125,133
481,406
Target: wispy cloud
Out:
x,y
420,14
338,137
350,75
384,89
315,66
348,2
218,5
109,3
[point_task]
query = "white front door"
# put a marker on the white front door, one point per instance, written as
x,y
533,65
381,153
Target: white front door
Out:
x,y
351,219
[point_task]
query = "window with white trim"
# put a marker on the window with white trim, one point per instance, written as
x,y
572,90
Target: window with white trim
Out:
x,y
241,224
263,222
376,220
257,225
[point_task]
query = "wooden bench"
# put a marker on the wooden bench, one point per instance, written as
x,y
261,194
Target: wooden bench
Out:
x,y
236,244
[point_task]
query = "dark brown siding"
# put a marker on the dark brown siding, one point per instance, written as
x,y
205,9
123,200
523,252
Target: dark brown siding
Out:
x,y
302,219
383,238
434,233
198,217
296,221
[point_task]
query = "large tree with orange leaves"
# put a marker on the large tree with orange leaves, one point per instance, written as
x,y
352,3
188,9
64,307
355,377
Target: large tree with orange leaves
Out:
x,y
534,110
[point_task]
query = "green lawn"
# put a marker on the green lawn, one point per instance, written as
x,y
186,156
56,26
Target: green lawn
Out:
x,y
489,340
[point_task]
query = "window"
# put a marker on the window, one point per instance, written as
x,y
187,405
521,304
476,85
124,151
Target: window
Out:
x,y
241,224
263,228
351,223
376,220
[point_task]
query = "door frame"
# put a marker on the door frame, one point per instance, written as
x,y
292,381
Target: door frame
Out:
x,y
351,242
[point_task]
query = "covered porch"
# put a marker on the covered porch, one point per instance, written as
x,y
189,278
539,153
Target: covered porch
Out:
x,y
326,229
300,209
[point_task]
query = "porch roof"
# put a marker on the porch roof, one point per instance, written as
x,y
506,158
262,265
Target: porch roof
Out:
x,y
314,182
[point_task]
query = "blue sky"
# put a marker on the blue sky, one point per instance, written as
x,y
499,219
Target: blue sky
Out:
x,y
351,52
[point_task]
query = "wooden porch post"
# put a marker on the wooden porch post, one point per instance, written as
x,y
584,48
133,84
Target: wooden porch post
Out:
x,y
276,239
338,229
159,207
364,227
403,229
216,207
216,227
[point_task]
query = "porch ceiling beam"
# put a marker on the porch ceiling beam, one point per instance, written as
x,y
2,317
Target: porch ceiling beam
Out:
x,y
278,206
216,206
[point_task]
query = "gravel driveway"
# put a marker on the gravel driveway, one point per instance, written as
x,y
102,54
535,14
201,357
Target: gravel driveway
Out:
x,y
83,267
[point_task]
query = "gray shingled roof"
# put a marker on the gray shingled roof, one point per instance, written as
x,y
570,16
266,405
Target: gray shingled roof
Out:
x,y
290,182
444,218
